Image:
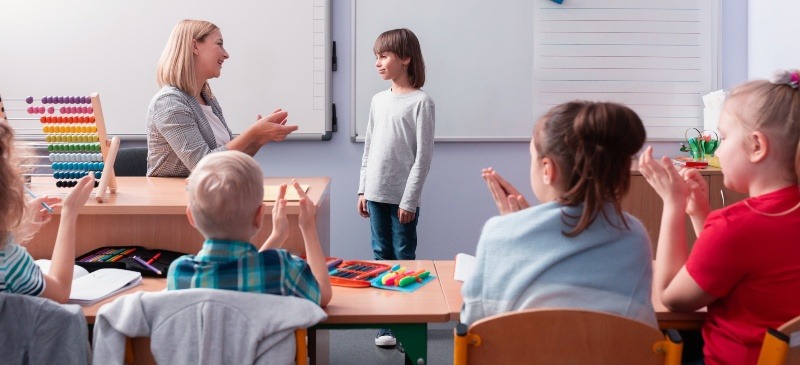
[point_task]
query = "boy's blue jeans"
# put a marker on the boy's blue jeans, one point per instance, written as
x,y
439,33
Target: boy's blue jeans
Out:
x,y
392,240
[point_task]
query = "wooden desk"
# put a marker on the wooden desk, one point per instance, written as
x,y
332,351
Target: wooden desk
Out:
x,y
407,314
151,212
666,319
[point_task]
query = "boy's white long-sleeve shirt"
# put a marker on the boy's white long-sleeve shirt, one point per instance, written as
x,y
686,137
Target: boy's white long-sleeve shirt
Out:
x,y
398,148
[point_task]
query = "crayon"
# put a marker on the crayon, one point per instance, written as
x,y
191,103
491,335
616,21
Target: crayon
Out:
x,y
154,258
145,264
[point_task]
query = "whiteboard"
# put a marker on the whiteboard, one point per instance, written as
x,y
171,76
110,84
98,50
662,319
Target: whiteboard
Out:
x,y
493,68
279,56
771,28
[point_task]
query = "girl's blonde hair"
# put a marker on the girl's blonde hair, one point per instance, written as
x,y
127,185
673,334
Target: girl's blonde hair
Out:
x,y
592,144
176,65
225,190
14,214
773,108
404,44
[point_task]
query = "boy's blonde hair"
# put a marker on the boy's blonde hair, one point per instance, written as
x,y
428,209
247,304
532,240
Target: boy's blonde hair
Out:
x,y
225,191
176,65
404,44
772,108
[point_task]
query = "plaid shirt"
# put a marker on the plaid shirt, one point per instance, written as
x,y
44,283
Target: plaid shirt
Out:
x,y
236,265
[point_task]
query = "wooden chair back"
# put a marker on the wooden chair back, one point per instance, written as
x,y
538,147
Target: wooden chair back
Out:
x,y
137,350
564,336
778,347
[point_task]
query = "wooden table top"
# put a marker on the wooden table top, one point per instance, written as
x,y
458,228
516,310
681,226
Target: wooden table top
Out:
x,y
164,195
353,305
666,319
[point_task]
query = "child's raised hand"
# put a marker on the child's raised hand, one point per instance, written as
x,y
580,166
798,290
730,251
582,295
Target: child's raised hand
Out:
x,y
697,201
280,223
506,197
40,214
78,196
308,211
664,178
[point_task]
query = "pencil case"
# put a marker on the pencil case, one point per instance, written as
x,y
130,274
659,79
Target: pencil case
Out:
x,y
122,257
354,273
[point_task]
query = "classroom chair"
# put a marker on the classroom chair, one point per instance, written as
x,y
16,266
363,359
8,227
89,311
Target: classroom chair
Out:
x,y
777,348
203,326
131,161
563,336
36,330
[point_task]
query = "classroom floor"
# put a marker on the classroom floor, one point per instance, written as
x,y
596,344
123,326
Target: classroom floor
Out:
x,y
358,347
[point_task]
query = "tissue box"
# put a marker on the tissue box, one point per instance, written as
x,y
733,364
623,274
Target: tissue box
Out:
x,y
711,118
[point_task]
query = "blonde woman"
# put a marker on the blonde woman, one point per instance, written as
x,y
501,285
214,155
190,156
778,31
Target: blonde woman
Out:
x,y
184,119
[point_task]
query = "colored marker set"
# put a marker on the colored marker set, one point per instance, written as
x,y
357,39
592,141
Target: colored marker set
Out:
x,y
354,274
402,279
400,276
110,254
134,258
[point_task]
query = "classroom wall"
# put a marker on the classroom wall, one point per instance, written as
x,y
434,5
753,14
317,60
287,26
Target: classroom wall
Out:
x,y
455,202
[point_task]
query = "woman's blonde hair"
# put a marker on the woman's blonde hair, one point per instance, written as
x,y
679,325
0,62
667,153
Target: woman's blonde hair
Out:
x,y
14,214
176,65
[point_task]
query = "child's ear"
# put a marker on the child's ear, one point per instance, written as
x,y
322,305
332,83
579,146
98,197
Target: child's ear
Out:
x,y
758,146
258,219
406,61
549,171
189,216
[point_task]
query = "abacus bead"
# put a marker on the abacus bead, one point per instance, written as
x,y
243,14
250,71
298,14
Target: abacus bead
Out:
x,y
98,175
29,99
30,110
100,166
45,99
51,110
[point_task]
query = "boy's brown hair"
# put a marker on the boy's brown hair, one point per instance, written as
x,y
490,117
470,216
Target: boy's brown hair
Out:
x,y
404,44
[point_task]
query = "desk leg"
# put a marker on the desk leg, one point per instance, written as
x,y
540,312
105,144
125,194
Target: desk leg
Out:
x,y
412,336
319,346
414,339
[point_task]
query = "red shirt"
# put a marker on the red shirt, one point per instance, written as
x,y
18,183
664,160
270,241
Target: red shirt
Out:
x,y
751,262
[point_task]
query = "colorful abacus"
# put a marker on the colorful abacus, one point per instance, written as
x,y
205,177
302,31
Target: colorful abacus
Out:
x,y
75,138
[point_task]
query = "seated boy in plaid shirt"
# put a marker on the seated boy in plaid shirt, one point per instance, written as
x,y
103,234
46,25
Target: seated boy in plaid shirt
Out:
x,y
226,190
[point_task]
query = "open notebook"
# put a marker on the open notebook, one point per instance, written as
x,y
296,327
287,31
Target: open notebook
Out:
x,y
89,288
463,269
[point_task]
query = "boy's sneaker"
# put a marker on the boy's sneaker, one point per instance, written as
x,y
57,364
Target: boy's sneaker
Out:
x,y
385,338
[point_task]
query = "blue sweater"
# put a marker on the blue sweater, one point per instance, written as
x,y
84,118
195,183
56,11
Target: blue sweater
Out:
x,y
524,261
